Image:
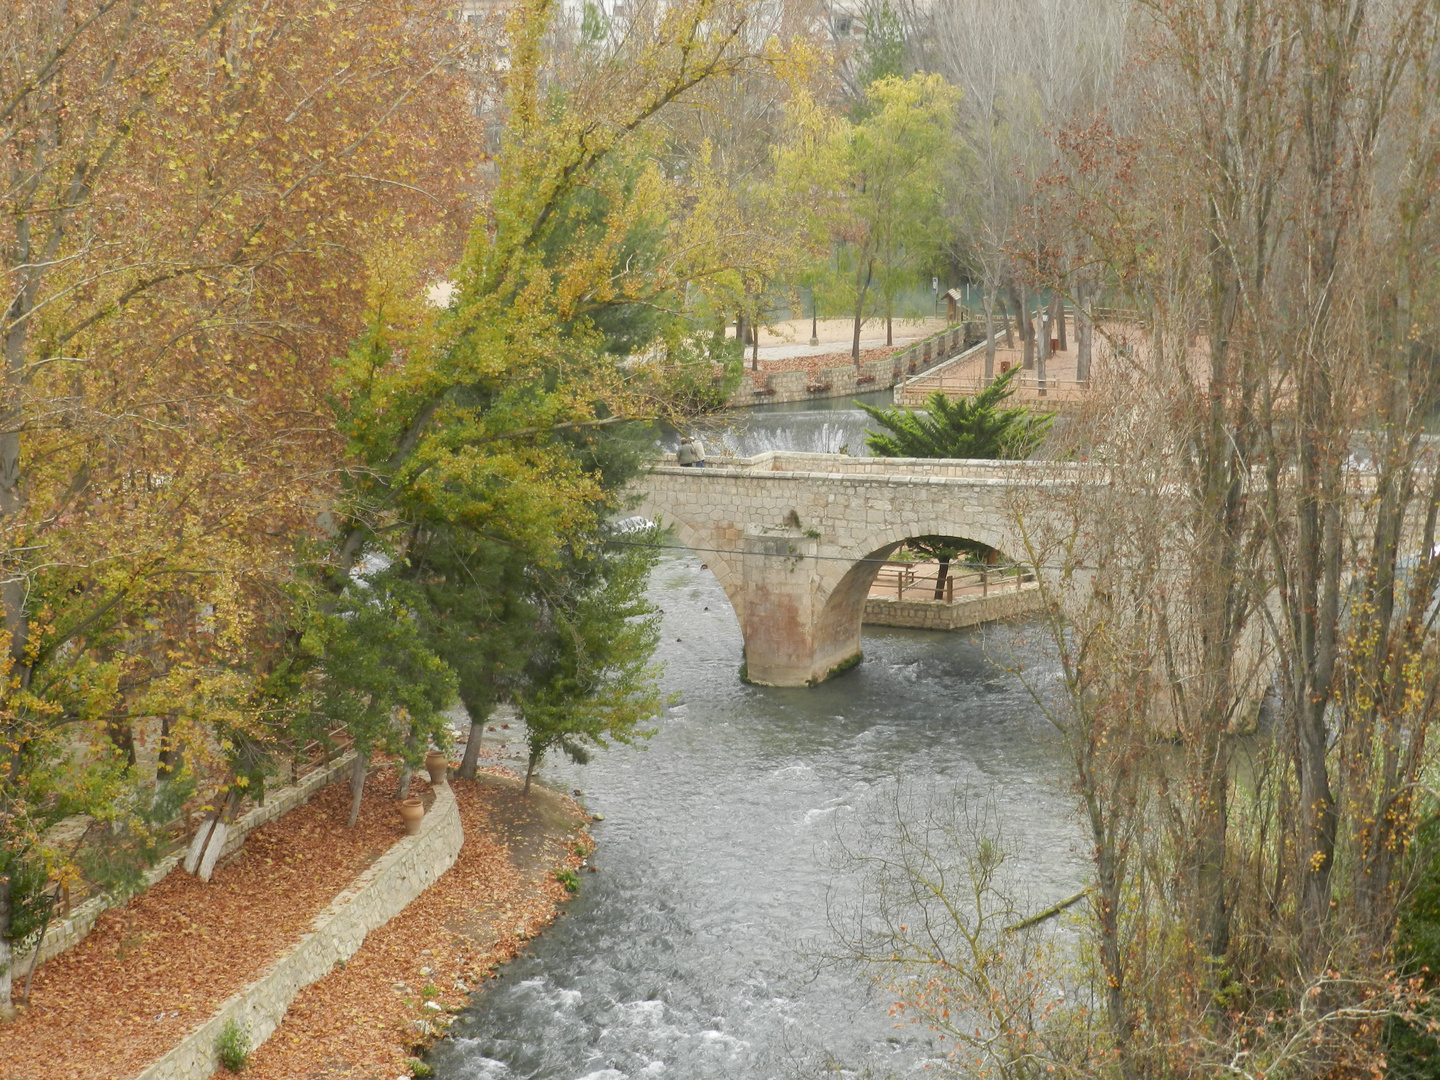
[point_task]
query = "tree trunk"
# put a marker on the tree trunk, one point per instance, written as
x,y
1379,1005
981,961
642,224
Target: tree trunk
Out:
x,y
889,327
1005,314
1314,621
530,771
7,951
860,310
1027,325
15,589
402,789
1084,331
357,786
168,761
1045,352
940,577
122,735
1108,899
12,500
989,338
1212,826
1060,322
35,952
210,842
471,760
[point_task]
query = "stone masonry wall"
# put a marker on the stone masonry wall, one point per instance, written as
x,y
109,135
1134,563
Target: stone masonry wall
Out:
x,y
373,899
913,392
758,388
68,932
795,539
939,615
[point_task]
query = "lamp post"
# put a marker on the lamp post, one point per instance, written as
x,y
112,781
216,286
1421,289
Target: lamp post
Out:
x,y
814,337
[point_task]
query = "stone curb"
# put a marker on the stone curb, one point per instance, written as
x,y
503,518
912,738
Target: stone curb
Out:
x,y
68,932
714,475
372,900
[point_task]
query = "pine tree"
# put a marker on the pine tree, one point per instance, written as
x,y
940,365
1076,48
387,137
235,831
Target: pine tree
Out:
x,y
968,427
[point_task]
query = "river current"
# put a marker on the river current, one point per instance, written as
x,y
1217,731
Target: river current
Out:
x,y
691,953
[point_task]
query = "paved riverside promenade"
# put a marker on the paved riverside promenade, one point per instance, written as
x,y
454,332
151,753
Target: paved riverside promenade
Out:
x,y
903,594
797,539
1061,389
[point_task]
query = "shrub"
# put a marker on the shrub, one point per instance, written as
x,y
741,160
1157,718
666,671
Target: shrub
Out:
x,y
234,1046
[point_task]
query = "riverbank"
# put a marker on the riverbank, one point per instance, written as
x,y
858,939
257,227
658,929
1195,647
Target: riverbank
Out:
x,y
156,968
376,1015
159,967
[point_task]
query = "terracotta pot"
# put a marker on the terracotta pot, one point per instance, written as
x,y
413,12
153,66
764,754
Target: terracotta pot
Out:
x,y
435,764
412,810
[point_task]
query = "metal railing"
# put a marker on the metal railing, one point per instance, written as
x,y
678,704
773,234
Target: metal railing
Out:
x,y
961,577
1026,379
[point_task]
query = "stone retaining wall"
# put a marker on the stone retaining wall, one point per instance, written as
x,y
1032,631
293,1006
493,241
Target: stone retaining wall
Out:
x,y
68,932
760,388
914,391
372,900
940,615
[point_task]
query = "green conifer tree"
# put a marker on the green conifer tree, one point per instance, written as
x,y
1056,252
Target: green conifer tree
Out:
x,y
968,427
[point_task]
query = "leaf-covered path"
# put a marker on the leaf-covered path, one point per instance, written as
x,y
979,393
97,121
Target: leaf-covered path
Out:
x,y
153,970
365,1019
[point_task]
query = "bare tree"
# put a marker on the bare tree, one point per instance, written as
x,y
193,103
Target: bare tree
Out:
x,y
1023,69
929,906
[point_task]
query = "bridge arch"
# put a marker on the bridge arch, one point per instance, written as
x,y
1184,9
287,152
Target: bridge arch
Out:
x,y
842,613
790,538
722,564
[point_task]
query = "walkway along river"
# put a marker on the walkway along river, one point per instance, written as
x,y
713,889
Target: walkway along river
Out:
x,y
684,956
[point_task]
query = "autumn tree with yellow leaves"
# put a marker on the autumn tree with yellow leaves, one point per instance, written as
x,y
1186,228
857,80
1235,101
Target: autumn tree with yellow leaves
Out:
x,y
190,193
206,205
498,432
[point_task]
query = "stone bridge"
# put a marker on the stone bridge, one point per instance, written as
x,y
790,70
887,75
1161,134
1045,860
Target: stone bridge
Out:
x,y
796,539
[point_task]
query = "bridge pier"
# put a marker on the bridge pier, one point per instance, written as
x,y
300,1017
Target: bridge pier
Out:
x,y
795,635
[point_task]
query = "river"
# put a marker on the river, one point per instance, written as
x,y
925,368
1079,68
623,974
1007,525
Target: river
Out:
x,y
690,953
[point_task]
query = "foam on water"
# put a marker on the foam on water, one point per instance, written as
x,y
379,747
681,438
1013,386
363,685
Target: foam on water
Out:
x,y
690,953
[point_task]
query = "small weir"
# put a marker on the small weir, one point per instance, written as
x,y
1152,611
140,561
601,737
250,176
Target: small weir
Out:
x,y
826,426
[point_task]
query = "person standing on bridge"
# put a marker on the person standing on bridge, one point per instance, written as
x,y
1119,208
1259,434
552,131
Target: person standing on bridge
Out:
x,y
699,453
686,454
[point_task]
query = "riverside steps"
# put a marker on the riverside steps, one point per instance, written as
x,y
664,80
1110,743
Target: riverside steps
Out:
x,y
796,540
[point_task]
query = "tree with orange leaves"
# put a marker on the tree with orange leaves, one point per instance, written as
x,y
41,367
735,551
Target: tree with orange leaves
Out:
x,y
191,194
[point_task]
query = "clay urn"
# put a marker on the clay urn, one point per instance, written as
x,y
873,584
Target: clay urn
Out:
x,y
435,764
412,810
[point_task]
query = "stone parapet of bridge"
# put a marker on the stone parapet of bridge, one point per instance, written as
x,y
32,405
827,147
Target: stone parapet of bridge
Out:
x,y
796,539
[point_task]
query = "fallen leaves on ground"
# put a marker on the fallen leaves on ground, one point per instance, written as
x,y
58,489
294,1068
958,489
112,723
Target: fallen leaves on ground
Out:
x,y
160,966
365,1019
